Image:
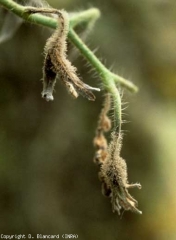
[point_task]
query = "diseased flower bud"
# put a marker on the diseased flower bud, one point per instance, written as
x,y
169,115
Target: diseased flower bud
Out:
x,y
56,62
114,173
112,168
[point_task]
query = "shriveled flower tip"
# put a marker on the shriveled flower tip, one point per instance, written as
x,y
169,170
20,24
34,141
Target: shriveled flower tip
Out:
x,y
128,203
92,88
48,96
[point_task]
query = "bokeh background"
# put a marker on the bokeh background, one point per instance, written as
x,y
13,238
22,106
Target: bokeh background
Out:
x,y
48,181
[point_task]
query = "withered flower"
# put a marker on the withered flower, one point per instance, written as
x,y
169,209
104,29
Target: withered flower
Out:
x,y
112,167
56,63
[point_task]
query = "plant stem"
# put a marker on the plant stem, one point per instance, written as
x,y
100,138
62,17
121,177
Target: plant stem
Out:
x,y
76,19
116,104
106,76
85,16
95,62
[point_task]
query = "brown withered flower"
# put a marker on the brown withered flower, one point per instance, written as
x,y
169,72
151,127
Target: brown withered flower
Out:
x,y
56,63
112,167
114,172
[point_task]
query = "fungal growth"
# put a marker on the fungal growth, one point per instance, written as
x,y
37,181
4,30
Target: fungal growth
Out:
x,y
56,63
112,167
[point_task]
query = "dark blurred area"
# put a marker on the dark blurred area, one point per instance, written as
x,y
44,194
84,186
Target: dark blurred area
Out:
x,y
48,181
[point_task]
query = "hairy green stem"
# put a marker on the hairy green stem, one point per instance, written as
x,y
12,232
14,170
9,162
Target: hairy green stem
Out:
x,y
106,76
117,105
95,62
85,16
75,19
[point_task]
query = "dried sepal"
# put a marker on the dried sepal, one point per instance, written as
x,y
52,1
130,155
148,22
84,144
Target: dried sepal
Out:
x,y
104,125
101,145
104,122
49,79
106,191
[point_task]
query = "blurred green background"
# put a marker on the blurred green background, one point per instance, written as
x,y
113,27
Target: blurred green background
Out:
x,y
48,181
